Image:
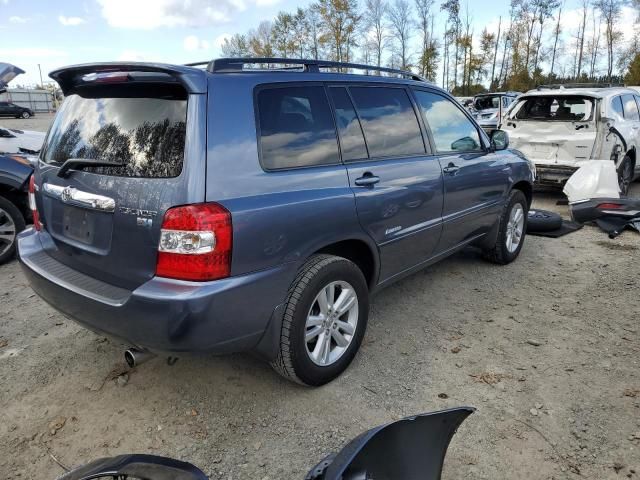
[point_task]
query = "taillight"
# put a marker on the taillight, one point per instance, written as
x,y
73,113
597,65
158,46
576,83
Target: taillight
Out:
x,y
32,203
195,243
609,206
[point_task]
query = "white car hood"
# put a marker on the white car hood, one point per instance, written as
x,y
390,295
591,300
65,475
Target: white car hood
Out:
x,y
26,139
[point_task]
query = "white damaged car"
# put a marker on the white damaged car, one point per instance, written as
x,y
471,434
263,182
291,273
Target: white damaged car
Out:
x,y
560,130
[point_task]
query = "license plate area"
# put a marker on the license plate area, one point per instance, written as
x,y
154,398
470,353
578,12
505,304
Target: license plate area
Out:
x,y
78,224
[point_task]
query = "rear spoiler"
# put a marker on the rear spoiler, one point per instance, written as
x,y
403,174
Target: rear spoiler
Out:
x,y
194,80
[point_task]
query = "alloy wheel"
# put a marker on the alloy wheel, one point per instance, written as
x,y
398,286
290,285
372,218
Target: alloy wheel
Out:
x,y
7,232
331,323
515,228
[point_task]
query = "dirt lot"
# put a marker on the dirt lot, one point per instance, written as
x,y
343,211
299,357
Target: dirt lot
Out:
x,y
547,349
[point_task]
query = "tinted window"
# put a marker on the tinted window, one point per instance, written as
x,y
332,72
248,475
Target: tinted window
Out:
x,y
388,120
616,105
147,135
296,128
452,130
351,137
630,108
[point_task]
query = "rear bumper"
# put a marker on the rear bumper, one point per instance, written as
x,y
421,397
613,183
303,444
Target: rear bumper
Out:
x,y
162,315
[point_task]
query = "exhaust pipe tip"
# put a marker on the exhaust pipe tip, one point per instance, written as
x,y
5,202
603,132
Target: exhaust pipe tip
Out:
x,y
135,357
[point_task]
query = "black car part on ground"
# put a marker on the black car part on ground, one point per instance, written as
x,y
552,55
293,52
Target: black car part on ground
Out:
x,y
612,215
409,449
142,467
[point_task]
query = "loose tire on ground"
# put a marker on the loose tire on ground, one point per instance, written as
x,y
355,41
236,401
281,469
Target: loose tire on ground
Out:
x,y
543,221
502,253
11,223
294,361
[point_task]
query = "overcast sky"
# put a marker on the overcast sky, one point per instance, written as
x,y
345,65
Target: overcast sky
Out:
x,y
56,33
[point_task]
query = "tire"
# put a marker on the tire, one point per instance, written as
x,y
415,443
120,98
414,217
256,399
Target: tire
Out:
x,y
295,354
504,251
543,221
25,114
625,175
11,223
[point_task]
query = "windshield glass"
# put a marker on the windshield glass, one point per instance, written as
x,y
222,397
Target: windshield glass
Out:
x,y
147,135
553,107
486,101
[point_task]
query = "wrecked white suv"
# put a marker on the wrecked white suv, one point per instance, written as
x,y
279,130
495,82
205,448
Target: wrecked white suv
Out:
x,y
559,129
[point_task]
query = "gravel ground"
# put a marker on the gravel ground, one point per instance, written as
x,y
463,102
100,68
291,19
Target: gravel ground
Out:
x,y
546,348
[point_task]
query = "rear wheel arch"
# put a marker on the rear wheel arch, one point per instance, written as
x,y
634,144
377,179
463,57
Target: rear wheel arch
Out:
x,y
359,252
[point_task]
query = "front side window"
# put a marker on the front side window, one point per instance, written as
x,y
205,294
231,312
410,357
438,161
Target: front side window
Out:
x,y
630,108
451,129
296,128
351,137
388,120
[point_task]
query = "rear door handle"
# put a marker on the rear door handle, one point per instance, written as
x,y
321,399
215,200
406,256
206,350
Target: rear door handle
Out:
x,y
367,180
451,168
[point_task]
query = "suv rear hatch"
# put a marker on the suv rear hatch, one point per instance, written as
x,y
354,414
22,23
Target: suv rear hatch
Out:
x,y
553,129
132,136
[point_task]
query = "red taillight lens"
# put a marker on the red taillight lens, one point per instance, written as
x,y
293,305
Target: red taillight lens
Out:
x,y
195,243
609,206
32,203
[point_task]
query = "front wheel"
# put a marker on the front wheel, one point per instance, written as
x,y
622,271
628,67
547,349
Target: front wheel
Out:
x,y
511,230
324,321
25,115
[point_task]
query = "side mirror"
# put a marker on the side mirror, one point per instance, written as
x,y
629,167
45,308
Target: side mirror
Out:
x,y
499,140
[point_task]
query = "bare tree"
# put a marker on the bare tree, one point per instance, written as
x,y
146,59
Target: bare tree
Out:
x,y
400,24
495,56
580,38
236,46
452,35
425,27
610,11
312,25
556,33
373,18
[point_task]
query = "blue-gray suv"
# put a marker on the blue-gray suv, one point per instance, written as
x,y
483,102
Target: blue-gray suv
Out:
x,y
257,204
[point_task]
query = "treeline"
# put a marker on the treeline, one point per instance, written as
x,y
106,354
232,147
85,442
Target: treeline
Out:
x,y
528,47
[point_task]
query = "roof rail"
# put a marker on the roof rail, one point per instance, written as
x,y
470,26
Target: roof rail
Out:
x,y
559,86
234,65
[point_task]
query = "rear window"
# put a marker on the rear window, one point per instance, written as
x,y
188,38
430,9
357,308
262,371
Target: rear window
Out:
x,y
553,108
146,135
296,128
484,102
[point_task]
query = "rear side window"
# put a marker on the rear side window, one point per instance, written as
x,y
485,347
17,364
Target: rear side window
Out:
x,y
147,135
616,105
296,128
351,137
630,108
451,129
389,121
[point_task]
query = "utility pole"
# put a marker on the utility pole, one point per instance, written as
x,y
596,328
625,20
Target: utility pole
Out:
x,y
40,70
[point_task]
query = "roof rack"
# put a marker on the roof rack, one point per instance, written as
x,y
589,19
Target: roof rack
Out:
x,y
560,86
235,65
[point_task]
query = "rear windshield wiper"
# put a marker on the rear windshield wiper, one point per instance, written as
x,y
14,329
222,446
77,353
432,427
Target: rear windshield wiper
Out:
x,y
84,162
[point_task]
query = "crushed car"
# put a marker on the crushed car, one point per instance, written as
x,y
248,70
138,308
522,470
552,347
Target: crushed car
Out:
x,y
560,129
